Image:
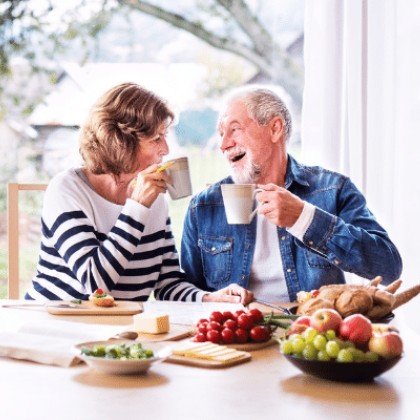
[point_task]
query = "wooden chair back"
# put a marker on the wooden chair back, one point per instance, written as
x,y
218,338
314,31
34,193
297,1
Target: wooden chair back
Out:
x,y
13,189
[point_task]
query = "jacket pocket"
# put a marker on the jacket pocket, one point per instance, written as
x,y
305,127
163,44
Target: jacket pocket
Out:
x,y
216,255
317,261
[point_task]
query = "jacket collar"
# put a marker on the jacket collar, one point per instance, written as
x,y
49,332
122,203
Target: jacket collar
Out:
x,y
295,173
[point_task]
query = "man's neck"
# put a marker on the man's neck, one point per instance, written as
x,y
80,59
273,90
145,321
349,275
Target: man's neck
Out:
x,y
275,173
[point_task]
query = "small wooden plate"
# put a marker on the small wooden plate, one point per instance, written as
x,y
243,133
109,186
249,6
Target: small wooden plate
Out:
x,y
194,361
251,346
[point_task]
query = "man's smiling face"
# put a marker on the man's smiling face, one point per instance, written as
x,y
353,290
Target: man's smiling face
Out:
x,y
244,143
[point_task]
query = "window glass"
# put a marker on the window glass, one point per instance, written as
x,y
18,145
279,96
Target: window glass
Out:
x,y
82,50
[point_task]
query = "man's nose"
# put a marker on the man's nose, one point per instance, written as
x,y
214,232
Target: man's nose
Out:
x,y
225,142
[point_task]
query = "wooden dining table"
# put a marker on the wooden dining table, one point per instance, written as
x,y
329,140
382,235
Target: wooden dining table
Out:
x,y
266,387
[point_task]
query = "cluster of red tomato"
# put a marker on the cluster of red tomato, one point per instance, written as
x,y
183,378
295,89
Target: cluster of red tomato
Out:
x,y
238,327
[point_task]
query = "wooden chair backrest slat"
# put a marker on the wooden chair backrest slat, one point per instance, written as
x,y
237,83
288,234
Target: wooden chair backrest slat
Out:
x,y
13,189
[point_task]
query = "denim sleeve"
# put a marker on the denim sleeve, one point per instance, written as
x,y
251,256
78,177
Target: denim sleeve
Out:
x,y
190,256
352,239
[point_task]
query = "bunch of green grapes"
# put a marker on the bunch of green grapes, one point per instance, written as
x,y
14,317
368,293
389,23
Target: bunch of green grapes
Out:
x,y
315,345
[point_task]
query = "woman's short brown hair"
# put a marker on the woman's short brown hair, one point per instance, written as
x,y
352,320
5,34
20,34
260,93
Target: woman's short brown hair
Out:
x,y
110,138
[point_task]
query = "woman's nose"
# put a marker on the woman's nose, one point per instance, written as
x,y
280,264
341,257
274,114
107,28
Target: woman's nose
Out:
x,y
165,147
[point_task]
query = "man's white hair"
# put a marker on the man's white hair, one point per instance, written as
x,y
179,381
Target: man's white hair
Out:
x,y
263,103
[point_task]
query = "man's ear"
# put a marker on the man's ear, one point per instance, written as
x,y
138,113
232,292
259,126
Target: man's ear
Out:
x,y
276,128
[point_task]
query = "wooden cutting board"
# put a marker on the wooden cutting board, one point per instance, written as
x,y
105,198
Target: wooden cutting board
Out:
x,y
252,346
193,361
88,308
176,332
182,355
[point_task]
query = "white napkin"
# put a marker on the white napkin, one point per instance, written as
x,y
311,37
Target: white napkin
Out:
x,y
38,348
51,343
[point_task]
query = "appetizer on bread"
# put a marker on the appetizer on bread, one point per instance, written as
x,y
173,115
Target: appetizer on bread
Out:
x,y
101,298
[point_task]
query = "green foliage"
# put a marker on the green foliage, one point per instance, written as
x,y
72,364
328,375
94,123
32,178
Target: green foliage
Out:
x,y
24,25
5,175
18,22
29,29
28,262
3,198
224,74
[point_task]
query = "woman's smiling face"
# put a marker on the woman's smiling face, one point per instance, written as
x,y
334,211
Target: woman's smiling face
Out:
x,y
244,143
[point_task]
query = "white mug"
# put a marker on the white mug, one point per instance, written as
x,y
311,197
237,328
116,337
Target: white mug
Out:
x,y
180,184
239,202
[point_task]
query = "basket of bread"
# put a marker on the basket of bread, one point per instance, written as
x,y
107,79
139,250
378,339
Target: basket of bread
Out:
x,y
371,300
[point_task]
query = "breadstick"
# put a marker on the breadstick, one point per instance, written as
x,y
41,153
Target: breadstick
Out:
x,y
383,298
405,296
375,282
394,286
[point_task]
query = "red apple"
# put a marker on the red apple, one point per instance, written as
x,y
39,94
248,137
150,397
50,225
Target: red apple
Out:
x,y
356,328
325,319
299,325
388,345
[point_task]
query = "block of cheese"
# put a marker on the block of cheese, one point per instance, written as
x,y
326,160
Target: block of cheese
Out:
x,y
151,323
208,351
184,348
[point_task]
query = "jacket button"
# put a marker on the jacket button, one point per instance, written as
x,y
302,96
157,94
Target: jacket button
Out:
x,y
289,270
311,243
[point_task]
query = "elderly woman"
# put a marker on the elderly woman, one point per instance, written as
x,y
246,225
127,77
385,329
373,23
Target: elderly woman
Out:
x,y
101,230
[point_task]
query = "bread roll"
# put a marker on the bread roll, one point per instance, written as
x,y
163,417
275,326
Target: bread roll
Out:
x,y
353,301
330,293
310,306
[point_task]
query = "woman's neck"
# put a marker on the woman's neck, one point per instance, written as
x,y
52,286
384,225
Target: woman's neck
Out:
x,y
109,187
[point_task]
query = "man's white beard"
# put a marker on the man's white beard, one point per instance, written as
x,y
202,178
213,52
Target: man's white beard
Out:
x,y
248,175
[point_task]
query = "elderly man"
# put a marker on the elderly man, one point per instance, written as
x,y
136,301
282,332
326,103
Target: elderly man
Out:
x,y
313,225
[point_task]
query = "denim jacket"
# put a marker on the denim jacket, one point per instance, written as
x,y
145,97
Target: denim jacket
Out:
x,y
344,236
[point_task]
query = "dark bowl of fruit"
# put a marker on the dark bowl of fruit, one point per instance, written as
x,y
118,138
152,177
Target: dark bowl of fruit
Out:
x,y
341,349
343,372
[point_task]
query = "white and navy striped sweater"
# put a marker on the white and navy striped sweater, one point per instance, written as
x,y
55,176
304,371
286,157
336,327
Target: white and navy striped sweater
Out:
x,y
89,243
